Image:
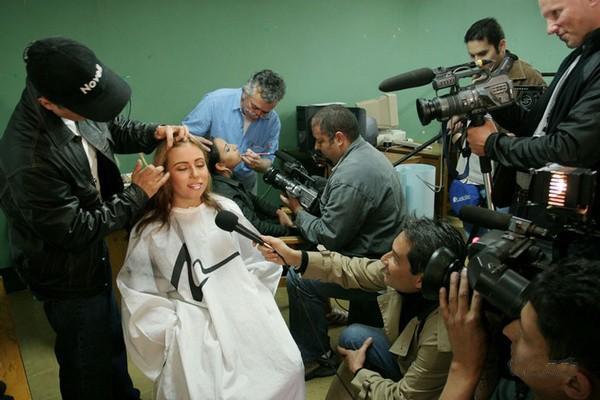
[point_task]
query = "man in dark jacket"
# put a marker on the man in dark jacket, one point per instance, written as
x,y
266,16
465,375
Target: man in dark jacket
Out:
x,y
62,193
563,127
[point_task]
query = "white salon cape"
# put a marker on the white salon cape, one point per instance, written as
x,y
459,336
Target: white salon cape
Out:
x,y
199,316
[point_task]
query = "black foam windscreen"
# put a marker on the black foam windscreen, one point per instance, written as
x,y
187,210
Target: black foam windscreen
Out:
x,y
411,79
485,218
226,220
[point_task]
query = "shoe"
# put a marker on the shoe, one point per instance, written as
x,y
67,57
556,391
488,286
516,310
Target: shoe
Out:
x,y
325,365
337,317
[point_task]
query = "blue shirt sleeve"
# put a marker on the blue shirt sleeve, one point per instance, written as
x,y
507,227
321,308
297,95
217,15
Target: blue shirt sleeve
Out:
x,y
199,119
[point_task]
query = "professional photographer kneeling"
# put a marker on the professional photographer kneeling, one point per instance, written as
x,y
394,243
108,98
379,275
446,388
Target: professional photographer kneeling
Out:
x,y
554,343
410,356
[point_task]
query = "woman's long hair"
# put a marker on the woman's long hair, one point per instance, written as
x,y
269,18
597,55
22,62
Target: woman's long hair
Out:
x,y
159,206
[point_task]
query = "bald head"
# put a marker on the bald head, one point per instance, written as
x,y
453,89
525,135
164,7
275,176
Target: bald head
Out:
x,y
571,20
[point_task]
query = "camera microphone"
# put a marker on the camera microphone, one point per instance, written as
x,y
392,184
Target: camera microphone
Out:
x,y
228,221
423,76
285,156
411,79
506,64
495,220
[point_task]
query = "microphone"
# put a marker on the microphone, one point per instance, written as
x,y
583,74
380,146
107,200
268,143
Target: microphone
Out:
x,y
424,76
283,155
506,64
228,221
411,79
505,222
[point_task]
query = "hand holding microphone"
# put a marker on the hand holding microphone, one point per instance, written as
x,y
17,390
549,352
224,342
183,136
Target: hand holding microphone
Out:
x,y
229,222
276,251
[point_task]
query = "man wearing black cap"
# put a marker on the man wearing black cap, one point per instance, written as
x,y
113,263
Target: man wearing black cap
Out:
x,y
62,193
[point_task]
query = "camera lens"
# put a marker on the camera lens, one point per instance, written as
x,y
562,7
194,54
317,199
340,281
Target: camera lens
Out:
x,y
425,110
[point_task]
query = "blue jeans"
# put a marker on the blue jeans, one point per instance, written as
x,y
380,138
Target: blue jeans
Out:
x,y
89,348
379,358
307,299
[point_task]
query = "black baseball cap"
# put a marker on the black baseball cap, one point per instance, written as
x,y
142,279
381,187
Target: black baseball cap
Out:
x,y
69,74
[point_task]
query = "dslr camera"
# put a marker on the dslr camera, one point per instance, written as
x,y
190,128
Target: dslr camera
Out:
x,y
294,180
490,91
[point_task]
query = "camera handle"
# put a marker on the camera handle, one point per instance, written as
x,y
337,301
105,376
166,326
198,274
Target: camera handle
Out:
x,y
485,164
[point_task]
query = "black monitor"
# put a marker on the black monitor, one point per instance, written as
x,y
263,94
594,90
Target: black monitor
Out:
x,y
306,141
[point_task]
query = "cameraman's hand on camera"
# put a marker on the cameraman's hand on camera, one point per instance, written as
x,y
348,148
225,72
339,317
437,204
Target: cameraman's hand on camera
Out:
x,y
455,124
455,127
292,203
355,359
255,162
477,135
462,317
279,252
284,219
149,178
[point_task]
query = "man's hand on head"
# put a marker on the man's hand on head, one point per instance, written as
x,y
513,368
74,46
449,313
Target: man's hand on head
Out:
x,y
149,178
171,133
204,142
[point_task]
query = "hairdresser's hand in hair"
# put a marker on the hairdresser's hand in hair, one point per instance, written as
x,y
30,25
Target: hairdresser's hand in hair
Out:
x,y
171,133
355,359
462,317
292,203
278,250
150,178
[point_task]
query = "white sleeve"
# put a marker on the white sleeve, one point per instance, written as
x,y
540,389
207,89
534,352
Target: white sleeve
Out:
x,y
148,316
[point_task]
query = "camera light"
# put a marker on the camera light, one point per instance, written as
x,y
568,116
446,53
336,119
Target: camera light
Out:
x,y
557,189
563,189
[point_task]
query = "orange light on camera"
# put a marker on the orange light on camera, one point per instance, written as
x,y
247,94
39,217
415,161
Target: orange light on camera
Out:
x,y
557,189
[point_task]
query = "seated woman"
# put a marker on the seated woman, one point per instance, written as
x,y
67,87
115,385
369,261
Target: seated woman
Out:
x,y
266,217
199,316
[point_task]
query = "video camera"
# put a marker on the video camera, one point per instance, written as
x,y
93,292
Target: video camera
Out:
x,y
294,179
490,91
501,263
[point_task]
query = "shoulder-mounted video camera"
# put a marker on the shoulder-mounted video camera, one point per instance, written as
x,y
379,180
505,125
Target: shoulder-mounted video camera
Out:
x,y
488,92
294,180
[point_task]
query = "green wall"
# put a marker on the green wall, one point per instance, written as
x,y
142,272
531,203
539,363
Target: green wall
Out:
x,y
329,50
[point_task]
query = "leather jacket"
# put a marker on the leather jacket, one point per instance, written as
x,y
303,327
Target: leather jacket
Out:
x,y
57,219
573,131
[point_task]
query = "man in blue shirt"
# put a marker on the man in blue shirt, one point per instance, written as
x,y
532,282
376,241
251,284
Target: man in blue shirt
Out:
x,y
244,117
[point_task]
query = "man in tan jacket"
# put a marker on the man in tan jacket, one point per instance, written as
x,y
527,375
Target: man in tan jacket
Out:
x,y
409,358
